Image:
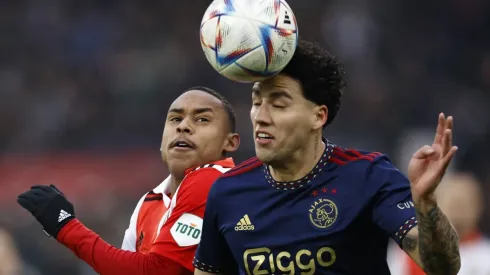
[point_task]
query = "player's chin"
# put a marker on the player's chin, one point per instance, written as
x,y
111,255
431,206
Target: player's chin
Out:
x,y
180,162
181,152
265,155
181,156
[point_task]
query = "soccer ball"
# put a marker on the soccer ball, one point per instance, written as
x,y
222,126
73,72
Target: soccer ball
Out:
x,y
249,40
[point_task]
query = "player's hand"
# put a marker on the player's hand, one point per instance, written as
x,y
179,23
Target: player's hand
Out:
x,y
429,163
49,206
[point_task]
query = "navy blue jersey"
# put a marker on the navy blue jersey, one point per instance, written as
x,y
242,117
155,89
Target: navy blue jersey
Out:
x,y
336,220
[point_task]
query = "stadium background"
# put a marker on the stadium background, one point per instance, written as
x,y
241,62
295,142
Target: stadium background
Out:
x,y
85,86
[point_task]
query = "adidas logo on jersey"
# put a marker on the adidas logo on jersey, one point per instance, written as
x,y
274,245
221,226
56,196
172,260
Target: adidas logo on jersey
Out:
x,y
63,215
244,224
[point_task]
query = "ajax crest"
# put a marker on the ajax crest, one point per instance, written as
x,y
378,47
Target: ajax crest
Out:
x,y
323,213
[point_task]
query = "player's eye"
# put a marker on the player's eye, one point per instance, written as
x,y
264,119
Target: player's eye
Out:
x,y
202,119
278,106
175,119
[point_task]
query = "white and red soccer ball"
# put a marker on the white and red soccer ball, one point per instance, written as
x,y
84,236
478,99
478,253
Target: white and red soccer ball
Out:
x,y
249,40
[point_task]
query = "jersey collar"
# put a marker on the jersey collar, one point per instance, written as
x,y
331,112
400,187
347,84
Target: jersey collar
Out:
x,y
225,163
162,188
322,162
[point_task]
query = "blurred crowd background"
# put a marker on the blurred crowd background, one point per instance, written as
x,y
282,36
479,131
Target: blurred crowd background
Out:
x,y
85,86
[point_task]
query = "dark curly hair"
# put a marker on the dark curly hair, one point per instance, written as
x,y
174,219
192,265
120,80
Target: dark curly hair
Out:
x,y
321,76
228,108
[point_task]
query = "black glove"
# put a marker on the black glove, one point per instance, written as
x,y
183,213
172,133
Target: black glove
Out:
x,y
49,206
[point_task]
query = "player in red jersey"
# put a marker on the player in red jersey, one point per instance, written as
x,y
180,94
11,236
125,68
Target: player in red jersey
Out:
x,y
166,227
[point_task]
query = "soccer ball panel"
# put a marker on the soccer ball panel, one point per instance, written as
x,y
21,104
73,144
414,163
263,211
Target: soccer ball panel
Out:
x,y
255,10
216,8
286,19
254,61
211,57
265,12
208,33
237,73
284,45
230,42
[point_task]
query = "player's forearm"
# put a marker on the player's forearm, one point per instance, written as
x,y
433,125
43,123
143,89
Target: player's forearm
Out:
x,y
438,240
106,259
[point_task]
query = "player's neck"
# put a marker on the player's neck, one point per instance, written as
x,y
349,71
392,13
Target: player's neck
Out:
x,y
300,163
174,184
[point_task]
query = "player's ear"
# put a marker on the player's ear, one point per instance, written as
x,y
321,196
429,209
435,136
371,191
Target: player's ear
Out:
x,y
320,116
231,143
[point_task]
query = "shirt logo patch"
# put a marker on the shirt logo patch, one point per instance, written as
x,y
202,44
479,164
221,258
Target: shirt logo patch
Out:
x,y
186,231
244,224
323,213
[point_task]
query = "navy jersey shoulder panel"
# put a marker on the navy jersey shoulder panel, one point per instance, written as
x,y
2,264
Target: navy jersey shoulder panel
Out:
x,y
381,166
243,167
370,170
239,178
343,156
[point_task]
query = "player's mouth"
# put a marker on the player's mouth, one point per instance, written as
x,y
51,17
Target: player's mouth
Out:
x,y
263,138
182,145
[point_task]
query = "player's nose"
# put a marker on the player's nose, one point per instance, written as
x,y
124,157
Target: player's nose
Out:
x,y
261,115
185,127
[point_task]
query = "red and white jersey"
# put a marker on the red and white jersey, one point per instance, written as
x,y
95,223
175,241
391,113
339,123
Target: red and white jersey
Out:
x,y
171,225
474,251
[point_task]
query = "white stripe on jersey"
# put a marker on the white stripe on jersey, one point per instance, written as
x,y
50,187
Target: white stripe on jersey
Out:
x,y
173,202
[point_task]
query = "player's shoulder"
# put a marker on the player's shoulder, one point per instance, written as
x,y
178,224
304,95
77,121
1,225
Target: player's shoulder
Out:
x,y
246,168
244,173
373,171
203,176
195,186
366,166
206,172
358,158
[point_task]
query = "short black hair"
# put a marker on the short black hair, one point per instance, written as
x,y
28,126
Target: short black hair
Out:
x,y
229,110
321,76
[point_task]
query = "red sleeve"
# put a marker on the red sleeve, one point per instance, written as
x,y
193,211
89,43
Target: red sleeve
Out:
x,y
172,252
106,259
181,233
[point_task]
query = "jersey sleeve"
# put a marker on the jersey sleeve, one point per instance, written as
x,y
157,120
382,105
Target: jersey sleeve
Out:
x,y
181,232
106,259
394,211
213,254
129,241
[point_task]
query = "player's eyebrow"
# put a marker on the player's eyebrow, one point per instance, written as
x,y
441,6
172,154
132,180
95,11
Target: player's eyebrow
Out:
x,y
279,94
203,110
273,95
195,111
176,110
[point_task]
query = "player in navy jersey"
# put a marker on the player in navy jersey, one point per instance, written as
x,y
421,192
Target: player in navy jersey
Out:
x,y
307,206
